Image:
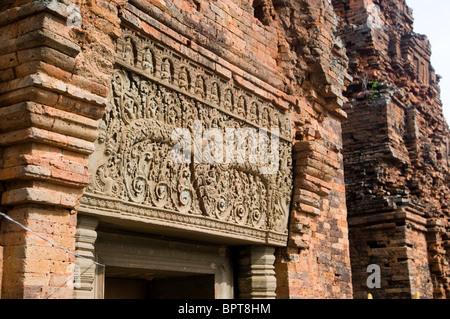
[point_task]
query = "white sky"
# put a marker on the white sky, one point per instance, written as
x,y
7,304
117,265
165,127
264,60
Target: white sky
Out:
x,y
431,17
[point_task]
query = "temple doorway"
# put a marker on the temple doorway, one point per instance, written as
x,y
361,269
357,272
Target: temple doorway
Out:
x,y
129,283
143,267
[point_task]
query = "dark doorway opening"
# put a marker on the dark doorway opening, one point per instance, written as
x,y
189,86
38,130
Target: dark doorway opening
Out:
x,y
129,283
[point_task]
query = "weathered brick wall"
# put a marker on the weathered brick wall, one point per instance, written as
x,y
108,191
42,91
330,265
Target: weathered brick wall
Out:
x,y
395,152
316,262
54,81
55,78
262,49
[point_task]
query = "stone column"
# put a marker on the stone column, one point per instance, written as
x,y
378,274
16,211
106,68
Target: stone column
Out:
x,y
85,270
257,273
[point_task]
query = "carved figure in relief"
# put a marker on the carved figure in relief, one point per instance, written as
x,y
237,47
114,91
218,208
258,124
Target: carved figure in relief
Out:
x,y
200,86
173,114
205,183
130,103
128,51
228,100
145,95
241,106
166,70
117,83
253,113
136,130
183,80
147,61
173,111
252,189
262,193
215,93
107,177
283,124
214,119
265,120
149,104
159,112
276,121
184,201
188,111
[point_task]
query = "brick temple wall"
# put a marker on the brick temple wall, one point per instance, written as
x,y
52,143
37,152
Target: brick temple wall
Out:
x,y
55,77
381,152
54,83
396,153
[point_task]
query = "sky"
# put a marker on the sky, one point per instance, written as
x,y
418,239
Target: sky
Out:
x,y
431,17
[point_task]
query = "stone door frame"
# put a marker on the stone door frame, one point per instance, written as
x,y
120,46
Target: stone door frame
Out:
x,y
120,250
251,268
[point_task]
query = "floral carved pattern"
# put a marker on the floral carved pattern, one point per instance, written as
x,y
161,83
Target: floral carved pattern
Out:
x,y
154,91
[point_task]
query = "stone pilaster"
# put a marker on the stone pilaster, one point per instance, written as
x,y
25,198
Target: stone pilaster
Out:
x,y
85,270
257,273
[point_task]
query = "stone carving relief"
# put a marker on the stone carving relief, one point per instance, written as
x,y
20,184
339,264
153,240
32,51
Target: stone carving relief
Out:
x,y
154,91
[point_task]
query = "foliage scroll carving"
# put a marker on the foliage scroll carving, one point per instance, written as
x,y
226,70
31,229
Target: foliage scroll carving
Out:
x,y
155,90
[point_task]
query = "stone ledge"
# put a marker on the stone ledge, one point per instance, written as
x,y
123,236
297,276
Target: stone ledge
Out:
x,y
44,173
34,134
39,196
45,81
38,38
43,95
33,7
388,220
310,162
30,114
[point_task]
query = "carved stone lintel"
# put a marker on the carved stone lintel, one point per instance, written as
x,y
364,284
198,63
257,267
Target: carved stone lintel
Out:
x,y
257,273
85,271
141,161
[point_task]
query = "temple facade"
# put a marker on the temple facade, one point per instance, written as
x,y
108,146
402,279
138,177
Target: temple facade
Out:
x,y
220,149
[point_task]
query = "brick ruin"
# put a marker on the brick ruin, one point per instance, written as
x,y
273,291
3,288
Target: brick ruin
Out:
x,y
90,91
396,146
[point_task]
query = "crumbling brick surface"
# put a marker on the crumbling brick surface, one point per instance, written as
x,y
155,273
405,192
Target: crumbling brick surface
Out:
x,y
54,88
396,153
55,77
268,45
54,82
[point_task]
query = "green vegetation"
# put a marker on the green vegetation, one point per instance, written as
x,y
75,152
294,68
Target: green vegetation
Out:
x,y
374,92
